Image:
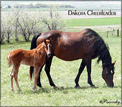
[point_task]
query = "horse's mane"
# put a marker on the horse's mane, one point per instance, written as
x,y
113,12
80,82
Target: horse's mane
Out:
x,y
33,43
100,47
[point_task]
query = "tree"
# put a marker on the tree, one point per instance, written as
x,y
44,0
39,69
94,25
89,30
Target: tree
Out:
x,y
2,36
6,28
16,15
53,19
8,6
28,23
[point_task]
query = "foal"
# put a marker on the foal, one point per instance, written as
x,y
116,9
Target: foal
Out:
x,y
35,57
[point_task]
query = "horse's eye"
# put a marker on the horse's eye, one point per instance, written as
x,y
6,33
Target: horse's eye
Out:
x,y
112,72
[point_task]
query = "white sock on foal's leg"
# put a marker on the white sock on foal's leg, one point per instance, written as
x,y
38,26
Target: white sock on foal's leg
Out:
x,y
34,90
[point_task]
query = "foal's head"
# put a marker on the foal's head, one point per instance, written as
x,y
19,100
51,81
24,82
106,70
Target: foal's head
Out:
x,y
48,47
45,47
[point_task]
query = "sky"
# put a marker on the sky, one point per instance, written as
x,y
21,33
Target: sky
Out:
x,y
111,4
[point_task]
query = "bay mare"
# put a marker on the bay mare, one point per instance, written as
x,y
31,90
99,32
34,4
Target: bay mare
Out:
x,y
69,46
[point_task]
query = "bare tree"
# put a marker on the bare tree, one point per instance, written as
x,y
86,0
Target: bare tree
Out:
x,y
28,23
53,19
2,36
6,28
8,32
16,15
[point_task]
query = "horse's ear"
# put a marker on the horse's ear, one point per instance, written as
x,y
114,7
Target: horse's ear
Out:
x,y
50,39
45,41
114,63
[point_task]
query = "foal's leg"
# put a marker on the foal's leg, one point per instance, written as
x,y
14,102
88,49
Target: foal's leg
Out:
x,y
89,73
38,80
82,66
16,78
47,69
12,75
35,77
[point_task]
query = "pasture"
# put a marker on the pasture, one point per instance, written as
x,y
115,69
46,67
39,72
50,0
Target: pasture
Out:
x,y
94,21
63,74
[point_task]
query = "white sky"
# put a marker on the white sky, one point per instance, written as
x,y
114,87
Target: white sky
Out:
x,y
73,3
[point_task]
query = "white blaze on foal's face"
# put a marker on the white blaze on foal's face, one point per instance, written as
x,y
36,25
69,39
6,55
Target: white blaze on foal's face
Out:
x,y
48,47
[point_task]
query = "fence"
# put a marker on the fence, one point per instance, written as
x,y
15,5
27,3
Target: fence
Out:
x,y
117,31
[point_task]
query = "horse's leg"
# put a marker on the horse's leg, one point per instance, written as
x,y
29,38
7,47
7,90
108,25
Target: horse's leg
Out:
x,y
89,73
35,77
47,69
82,66
38,80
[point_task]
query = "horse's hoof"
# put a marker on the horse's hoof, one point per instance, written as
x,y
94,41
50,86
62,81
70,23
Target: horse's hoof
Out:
x,y
77,86
40,88
20,92
55,87
62,87
34,90
93,86
12,90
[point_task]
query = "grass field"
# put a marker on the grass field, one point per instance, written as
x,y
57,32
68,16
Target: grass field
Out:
x,y
94,21
63,74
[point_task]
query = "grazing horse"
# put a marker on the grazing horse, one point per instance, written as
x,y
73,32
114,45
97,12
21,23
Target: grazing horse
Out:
x,y
69,46
35,57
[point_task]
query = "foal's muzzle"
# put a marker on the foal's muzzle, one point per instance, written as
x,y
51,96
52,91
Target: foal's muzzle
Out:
x,y
48,54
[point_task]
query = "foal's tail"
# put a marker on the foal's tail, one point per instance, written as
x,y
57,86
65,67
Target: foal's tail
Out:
x,y
9,59
33,45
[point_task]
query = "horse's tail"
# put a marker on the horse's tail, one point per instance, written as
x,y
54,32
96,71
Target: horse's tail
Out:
x,y
9,59
33,45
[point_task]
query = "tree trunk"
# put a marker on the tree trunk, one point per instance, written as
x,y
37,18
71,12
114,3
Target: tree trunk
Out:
x,y
8,38
16,36
26,38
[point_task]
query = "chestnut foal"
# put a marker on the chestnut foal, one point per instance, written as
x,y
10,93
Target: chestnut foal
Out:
x,y
35,57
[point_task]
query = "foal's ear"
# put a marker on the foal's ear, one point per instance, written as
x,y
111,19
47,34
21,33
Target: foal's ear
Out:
x,y
114,63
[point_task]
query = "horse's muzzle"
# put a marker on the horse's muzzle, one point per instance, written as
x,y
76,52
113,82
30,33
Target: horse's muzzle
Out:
x,y
112,85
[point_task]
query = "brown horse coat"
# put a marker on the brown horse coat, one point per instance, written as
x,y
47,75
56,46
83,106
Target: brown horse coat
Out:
x,y
85,45
35,57
70,46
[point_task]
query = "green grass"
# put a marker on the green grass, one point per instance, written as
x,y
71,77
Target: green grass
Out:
x,y
94,21
63,74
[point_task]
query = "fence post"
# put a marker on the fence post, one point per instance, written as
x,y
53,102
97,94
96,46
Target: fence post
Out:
x,y
112,33
107,34
117,32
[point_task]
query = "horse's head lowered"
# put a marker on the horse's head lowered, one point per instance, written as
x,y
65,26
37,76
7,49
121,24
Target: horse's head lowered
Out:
x,y
107,74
